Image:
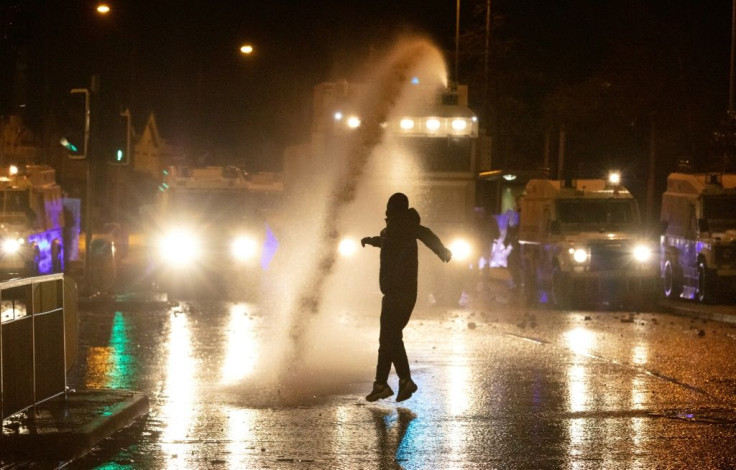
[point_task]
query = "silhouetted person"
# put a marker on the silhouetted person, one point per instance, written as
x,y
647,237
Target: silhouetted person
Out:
x,y
398,282
513,260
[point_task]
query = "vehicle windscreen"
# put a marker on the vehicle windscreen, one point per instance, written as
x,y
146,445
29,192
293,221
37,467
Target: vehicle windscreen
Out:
x,y
720,211
719,207
598,214
14,200
212,207
440,154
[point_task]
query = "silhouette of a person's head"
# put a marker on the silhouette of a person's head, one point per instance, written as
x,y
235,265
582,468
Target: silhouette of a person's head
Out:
x,y
397,204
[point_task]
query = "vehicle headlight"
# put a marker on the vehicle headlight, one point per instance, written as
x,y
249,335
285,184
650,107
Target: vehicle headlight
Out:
x,y
347,247
179,247
11,245
244,248
579,255
407,124
642,253
353,122
459,124
461,249
433,124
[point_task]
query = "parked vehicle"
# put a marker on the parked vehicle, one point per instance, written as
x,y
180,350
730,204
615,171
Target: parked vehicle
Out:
x,y
31,221
698,257
583,241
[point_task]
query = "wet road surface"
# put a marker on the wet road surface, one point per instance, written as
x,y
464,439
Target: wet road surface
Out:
x,y
499,387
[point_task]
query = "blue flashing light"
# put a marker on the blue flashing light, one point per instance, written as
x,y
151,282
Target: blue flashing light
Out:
x,y
415,81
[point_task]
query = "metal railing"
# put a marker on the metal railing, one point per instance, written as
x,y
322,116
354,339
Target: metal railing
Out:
x,y
33,332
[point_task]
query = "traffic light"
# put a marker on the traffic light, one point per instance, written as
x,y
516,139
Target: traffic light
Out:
x,y
120,149
75,137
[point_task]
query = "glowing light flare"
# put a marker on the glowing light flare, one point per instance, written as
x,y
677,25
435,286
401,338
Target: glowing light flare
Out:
x,y
244,248
11,245
13,170
459,124
179,247
103,8
579,255
347,247
338,116
246,49
433,124
353,122
614,178
461,249
407,124
642,253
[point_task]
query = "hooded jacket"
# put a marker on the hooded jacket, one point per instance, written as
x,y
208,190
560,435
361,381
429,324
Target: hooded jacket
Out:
x,y
398,243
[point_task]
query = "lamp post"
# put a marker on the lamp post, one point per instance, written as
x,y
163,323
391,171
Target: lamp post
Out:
x,y
457,41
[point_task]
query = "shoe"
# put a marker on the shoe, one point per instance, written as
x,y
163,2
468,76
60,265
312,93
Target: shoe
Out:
x,y
407,387
379,391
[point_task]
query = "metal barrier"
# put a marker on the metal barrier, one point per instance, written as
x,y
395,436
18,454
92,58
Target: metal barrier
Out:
x,y
32,342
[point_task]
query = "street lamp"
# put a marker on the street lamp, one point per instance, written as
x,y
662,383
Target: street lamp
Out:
x,y
246,49
103,8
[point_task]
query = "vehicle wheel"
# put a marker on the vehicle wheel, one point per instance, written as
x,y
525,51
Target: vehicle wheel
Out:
x,y
672,280
560,291
706,284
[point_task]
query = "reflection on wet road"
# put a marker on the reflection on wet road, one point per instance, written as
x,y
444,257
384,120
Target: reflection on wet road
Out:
x,y
498,388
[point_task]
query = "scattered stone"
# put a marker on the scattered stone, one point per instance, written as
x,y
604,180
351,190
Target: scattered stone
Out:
x,y
701,332
587,318
627,320
471,325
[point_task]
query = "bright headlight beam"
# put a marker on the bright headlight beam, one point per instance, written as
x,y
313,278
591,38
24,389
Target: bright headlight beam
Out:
x,y
642,253
433,124
580,255
10,245
244,248
353,122
179,247
461,249
347,247
459,124
407,124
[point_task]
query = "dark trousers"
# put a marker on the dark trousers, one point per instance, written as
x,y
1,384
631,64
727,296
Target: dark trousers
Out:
x,y
395,313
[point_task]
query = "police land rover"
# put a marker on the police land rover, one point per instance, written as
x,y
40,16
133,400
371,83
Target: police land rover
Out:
x,y
699,239
581,241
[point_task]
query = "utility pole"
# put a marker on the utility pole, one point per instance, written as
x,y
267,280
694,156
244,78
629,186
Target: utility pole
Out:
x,y
457,41
731,110
93,117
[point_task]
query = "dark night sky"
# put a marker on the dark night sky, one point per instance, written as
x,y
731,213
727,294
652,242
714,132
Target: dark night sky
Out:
x,y
180,60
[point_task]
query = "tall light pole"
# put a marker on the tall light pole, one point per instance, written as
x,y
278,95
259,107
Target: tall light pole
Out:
x,y
731,110
457,41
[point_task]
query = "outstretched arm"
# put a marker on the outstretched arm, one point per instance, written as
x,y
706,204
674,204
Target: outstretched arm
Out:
x,y
434,243
372,241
